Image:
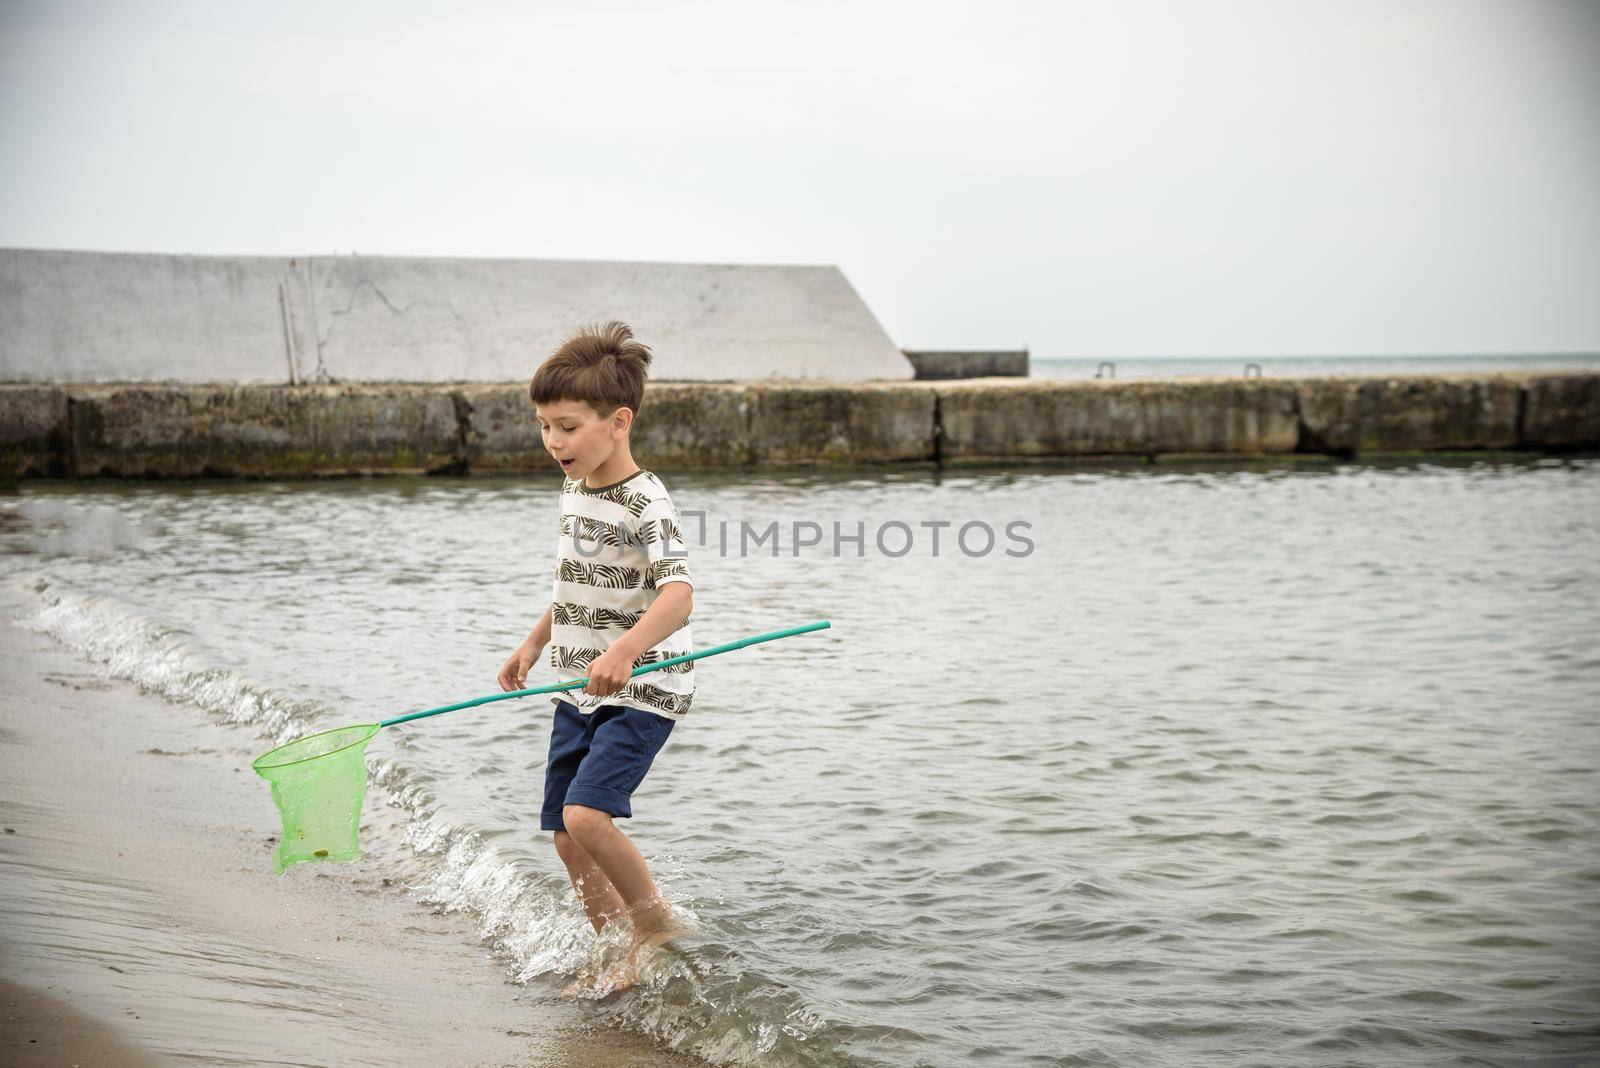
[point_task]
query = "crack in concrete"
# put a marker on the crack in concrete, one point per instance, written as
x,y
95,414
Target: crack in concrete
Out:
x,y
1522,415
355,291
466,437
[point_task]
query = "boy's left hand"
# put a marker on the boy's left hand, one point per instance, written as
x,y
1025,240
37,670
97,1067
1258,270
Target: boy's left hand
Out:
x,y
609,672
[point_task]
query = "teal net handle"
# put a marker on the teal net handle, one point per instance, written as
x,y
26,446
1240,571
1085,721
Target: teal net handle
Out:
x,y
575,683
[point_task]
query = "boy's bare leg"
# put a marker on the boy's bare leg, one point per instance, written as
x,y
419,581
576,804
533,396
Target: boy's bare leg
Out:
x,y
600,899
653,919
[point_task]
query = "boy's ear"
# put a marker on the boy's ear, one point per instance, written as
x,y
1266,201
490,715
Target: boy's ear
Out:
x,y
622,418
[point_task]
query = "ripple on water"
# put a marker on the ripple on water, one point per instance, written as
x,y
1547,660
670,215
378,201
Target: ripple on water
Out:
x,y
1424,897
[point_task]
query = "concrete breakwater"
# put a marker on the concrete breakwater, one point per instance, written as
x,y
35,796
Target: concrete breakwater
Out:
x,y
197,430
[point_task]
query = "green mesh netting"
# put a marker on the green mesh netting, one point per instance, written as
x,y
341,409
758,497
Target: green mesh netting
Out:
x,y
318,784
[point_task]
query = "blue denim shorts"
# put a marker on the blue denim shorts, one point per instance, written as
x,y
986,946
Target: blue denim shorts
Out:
x,y
598,759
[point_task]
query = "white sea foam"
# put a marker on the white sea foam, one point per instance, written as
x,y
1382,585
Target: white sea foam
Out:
x,y
129,646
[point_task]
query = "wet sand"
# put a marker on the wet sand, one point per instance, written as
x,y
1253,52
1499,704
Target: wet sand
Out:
x,y
37,1029
142,917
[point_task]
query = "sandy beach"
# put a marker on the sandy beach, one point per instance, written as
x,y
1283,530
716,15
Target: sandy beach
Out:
x,y
143,924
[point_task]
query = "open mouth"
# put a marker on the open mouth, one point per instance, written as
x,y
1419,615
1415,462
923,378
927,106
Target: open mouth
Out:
x,y
566,465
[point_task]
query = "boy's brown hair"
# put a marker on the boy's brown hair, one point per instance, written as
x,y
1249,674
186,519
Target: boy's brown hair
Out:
x,y
601,365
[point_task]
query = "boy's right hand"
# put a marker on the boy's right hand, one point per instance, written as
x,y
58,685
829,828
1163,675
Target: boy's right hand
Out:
x,y
514,674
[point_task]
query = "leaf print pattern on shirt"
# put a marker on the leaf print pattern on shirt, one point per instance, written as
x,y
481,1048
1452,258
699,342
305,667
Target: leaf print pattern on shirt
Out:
x,y
605,576
568,614
611,619
659,570
594,532
662,530
572,660
654,657
675,703
633,501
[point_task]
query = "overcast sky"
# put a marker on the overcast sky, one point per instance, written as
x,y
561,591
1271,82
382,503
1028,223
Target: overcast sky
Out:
x,y
1088,179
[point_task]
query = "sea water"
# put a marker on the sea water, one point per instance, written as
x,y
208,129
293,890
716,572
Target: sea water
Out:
x,y
1252,763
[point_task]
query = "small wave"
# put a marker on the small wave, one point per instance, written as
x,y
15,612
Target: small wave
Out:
x,y
157,658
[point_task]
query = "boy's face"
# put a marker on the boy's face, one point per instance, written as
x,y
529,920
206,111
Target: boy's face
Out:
x,y
577,437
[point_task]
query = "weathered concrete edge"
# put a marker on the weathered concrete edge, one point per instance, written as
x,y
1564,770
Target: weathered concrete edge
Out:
x,y
165,430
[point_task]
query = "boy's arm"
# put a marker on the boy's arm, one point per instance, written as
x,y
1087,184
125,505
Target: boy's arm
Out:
x,y
672,606
514,672
612,669
539,636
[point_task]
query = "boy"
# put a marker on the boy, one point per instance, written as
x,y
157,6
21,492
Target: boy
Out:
x,y
621,599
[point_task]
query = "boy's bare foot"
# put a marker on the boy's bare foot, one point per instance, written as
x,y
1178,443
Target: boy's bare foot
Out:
x,y
620,976
653,924
643,947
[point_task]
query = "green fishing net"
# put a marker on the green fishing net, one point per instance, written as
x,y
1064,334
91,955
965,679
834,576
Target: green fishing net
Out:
x,y
318,783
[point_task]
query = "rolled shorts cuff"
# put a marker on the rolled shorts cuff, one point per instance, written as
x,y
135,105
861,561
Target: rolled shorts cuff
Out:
x,y
613,802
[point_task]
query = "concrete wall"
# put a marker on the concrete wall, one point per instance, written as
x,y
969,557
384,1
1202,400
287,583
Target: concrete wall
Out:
x,y
1377,415
278,431
953,364
1102,418
132,317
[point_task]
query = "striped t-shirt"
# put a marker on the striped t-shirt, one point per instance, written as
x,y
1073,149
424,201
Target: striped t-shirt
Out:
x,y
619,545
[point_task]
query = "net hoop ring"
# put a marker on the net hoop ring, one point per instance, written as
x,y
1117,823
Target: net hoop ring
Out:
x,y
272,759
